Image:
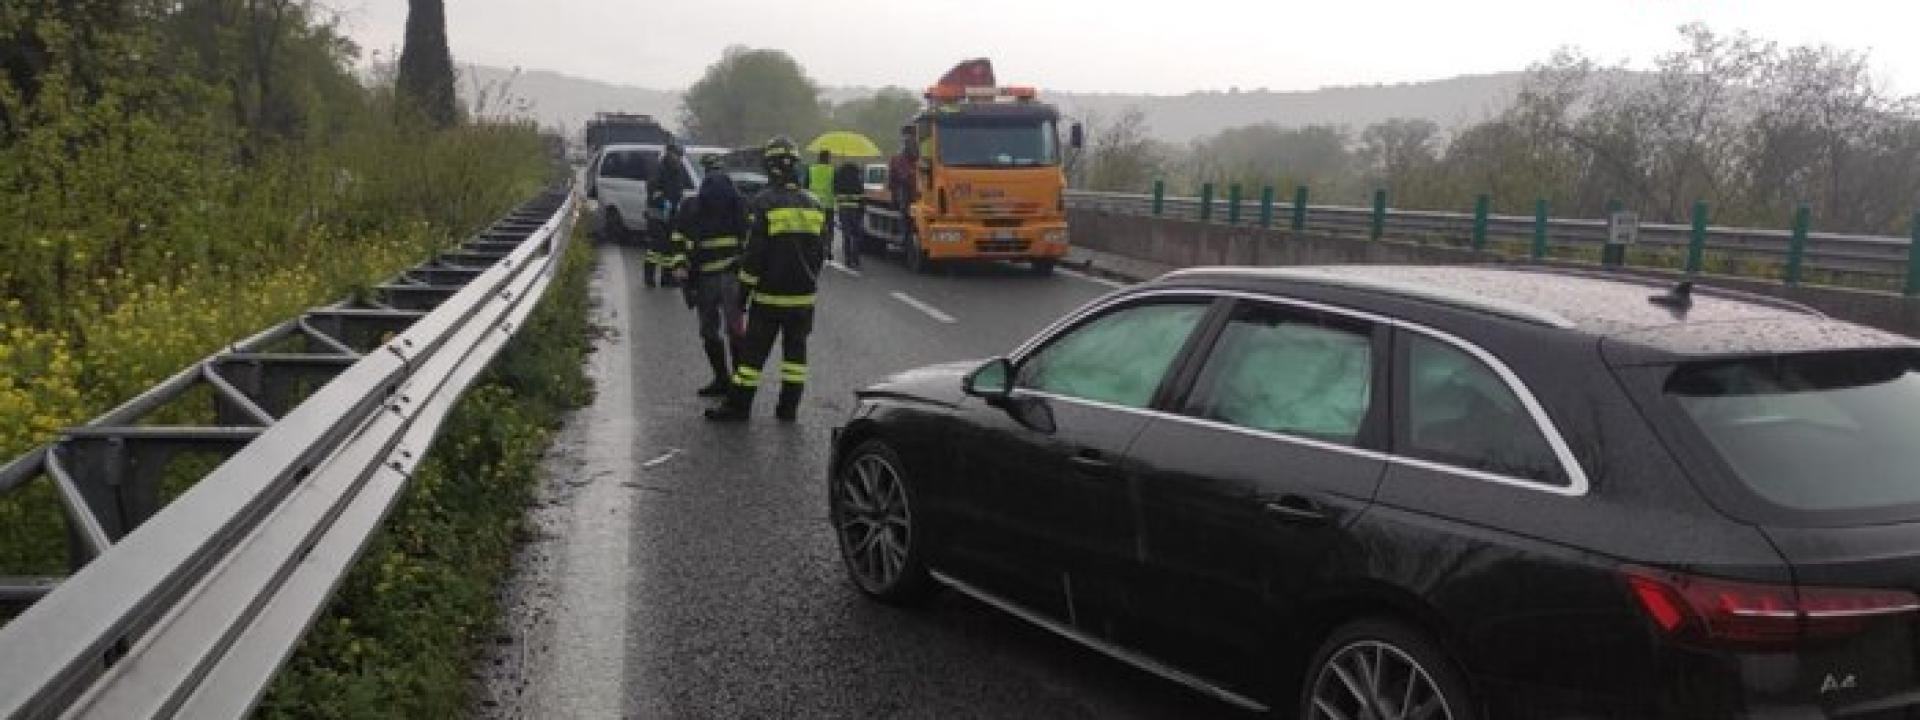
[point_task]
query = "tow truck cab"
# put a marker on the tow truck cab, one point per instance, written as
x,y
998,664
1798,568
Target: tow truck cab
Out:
x,y
988,179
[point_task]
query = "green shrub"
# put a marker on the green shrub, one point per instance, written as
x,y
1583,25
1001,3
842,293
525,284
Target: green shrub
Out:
x,y
151,211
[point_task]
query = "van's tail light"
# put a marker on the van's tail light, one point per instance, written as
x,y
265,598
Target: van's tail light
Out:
x,y
1759,615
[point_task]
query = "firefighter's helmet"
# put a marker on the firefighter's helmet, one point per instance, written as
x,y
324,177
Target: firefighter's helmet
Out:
x,y
782,159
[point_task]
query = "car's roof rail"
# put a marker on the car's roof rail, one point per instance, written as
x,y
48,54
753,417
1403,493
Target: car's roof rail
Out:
x,y
1725,293
1464,301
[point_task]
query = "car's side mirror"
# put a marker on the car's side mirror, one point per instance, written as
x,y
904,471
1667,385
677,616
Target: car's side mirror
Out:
x,y
593,193
1077,136
992,381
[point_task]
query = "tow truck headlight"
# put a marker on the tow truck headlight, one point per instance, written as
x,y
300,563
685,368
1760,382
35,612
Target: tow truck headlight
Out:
x,y
1055,237
949,235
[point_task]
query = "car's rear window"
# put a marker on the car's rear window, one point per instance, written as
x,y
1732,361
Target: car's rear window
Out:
x,y
1827,432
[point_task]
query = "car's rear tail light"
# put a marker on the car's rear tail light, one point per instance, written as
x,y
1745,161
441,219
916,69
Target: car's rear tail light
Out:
x,y
1759,615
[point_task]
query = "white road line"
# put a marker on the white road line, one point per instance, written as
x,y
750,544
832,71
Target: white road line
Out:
x,y
1091,278
931,311
835,264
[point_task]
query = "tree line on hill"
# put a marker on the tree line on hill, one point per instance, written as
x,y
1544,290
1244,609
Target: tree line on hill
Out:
x,y
1751,127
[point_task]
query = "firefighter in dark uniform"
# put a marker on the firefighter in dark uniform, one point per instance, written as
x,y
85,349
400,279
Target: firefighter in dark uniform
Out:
x,y
707,239
669,184
781,270
848,190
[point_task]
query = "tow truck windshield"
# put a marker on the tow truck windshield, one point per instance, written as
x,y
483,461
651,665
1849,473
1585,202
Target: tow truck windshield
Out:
x,y
998,142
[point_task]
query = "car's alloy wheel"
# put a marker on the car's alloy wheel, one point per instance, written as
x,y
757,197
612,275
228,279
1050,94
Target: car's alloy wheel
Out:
x,y
872,513
1373,679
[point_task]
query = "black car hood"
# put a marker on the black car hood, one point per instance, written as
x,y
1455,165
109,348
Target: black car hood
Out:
x,y
942,384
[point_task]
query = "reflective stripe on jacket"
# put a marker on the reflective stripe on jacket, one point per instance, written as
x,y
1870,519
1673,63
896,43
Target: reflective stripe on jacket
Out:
x,y
784,250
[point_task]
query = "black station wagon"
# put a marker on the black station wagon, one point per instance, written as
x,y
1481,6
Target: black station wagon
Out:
x,y
1404,492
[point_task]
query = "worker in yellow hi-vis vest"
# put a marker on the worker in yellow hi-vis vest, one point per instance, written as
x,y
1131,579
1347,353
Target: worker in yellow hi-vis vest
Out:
x,y
820,183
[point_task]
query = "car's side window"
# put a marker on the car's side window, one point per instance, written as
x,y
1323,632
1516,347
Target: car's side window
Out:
x,y
625,166
1297,372
1120,357
1460,412
645,165
610,165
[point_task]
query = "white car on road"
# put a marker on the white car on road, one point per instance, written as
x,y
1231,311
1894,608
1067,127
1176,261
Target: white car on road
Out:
x,y
617,181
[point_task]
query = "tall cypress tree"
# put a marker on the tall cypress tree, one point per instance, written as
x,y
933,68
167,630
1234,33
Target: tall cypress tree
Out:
x,y
426,65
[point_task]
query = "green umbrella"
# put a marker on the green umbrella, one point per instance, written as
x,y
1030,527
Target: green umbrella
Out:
x,y
843,143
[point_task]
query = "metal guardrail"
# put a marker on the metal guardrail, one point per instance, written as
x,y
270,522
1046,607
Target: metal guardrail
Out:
x,y
189,608
1884,258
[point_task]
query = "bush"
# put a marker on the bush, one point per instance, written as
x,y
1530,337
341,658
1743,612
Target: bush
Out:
x,y
151,211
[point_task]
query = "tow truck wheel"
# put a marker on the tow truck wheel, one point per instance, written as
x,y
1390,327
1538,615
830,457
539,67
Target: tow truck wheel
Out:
x,y
916,258
1043,268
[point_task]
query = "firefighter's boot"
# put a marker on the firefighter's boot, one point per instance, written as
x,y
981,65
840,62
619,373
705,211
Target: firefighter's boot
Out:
x,y
789,407
717,361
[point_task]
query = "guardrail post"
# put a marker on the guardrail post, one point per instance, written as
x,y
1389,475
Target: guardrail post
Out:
x,y
1540,229
1233,204
1159,196
1697,242
1266,206
1300,208
1797,245
1480,205
1913,259
1612,255
1206,202
1379,214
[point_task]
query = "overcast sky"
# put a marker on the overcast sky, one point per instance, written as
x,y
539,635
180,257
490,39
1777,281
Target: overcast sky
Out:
x,y
1111,46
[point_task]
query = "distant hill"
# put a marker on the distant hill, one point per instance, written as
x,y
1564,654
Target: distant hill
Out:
x,y
1451,103
566,101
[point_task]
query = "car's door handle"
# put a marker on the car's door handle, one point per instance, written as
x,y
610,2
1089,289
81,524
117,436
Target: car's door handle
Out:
x,y
1295,509
1091,461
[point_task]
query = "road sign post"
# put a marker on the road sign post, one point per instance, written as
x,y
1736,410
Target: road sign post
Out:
x,y
1612,255
1623,230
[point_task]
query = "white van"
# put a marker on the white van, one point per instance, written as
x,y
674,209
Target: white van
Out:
x,y
617,181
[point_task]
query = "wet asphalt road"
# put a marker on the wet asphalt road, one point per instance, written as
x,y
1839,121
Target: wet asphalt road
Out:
x,y
705,582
